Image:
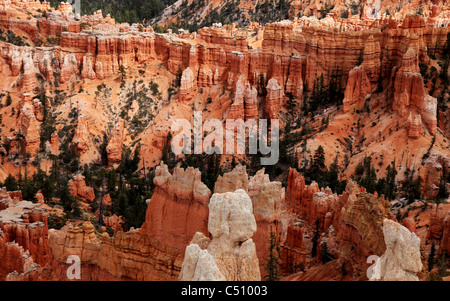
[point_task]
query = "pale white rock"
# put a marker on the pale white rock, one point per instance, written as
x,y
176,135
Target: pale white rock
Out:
x,y
401,261
199,265
266,196
206,269
239,94
187,79
231,216
231,255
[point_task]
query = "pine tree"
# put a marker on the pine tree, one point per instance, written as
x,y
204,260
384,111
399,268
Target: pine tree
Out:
x,y
391,187
360,59
315,239
103,152
10,183
324,254
66,199
431,257
443,193
122,72
333,175
8,100
319,159
273,262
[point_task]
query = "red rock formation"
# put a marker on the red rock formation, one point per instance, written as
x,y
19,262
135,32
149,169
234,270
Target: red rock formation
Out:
x,y
178,208
53,145
23,236
445,242
431,173
352,221
361,224
82,137
251,103
293,250
15,261
274,98
232,181
126,256
29,127
78,188
414,124
29,81
437,217
237,108
294,83
357,90
299,195
115,144
114,222
410,91
371,59
410,224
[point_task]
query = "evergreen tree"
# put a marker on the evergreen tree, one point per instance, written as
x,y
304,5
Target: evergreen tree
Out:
x,y
103,152
391,186
122,72
8,100
315,239
66,199
273,262
319,159
360,59
10,183
443,193
431,257
324,254
333,175
411,186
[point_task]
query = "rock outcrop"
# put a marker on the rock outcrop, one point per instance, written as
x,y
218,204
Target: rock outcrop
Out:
x,y
233,180
116,142
274,98
410,93
402,260
187,85
82,137
445,242
251,103
351,222
436,227
23,238
357,90
29,127
178,208
415,126
78,188
267,198
231,254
